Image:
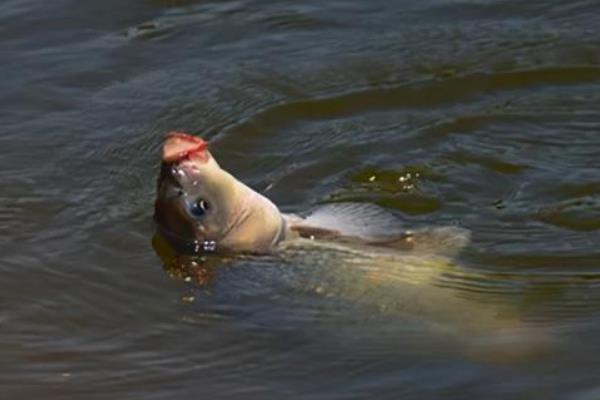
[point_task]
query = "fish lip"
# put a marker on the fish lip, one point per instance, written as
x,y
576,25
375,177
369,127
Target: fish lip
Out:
x,y
200,146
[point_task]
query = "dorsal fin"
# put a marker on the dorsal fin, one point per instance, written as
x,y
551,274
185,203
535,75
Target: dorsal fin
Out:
x,y
371,225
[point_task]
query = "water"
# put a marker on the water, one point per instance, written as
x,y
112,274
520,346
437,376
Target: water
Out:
x,y
485,113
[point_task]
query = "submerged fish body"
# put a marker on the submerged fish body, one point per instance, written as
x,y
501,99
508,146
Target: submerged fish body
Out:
x,y
201,206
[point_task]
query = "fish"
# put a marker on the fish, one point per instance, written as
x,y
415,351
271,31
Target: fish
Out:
x,y
355,251
203,208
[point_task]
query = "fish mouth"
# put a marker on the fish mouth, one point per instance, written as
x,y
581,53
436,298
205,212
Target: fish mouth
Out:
x,y
179,146
183,158
177,179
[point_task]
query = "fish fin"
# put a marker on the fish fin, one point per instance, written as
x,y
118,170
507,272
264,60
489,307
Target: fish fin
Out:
x,y
369,224
447,240
354,219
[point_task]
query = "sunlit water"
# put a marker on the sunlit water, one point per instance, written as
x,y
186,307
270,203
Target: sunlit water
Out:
x,y
483,113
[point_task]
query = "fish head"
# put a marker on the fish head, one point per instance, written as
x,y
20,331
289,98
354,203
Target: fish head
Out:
x,y
200,204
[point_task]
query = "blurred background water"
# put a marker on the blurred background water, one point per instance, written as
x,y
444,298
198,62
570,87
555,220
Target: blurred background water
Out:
x,y
484,113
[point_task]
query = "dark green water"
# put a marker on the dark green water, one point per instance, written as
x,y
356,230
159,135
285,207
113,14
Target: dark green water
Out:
x,y
492,107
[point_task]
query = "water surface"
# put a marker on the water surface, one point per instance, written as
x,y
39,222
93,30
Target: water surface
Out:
x,y
481,113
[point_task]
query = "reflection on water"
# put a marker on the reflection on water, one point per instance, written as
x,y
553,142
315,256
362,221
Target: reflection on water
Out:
x,y
484,113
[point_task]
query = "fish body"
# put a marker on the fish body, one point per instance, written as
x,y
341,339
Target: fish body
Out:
x,y
353,251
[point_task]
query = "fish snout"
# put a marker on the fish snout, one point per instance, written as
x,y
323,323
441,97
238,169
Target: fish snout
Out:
x,y
178,178
179,146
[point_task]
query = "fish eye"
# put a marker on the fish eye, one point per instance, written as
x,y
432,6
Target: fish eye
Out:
x,y
199,208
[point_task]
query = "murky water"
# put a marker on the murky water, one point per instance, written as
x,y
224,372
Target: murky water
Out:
x,y
484,113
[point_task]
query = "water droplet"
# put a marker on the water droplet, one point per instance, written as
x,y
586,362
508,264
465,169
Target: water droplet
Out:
x,y
187,299
209,245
